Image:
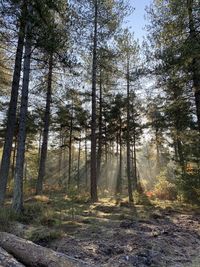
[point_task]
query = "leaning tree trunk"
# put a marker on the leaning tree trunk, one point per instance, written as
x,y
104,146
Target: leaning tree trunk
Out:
x,y
93,169
128,150
11,120
43,154
18,178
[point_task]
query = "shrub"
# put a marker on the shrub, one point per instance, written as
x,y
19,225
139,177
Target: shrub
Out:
x,y
189,187
164,190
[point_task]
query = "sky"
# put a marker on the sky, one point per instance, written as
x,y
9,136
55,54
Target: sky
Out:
x,y
136,20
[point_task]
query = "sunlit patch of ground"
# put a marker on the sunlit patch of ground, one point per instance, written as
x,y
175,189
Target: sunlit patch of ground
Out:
x,y
110,233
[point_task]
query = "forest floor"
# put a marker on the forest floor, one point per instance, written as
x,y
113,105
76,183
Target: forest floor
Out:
x,y
114,234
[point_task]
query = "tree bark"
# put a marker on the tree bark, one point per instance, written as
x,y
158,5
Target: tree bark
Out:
x,y
128,150
7,260
86,160
99,155
14,158
34,255
135,159
44,148
93,179
18,179
11,121
70,145
79,159
119,176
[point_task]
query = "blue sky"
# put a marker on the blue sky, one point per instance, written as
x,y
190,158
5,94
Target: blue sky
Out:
x,y
137,21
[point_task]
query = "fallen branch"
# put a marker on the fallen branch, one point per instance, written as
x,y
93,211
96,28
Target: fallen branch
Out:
x,y
6,260
34,255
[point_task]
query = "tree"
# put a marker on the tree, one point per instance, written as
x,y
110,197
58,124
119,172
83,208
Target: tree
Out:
x,y
129,48
11,121
18,179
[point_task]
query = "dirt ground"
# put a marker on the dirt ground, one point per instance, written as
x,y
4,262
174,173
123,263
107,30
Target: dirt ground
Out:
x,y
110,235
106,234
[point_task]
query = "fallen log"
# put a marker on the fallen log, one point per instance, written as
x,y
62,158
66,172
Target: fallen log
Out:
x,y
6,260
34,255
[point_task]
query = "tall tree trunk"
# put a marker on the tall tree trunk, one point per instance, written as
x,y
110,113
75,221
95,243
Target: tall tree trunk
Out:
x,y
43,154
39,147
70,145
158,163
93,170
79,159
128,150
86,160
119,176
14,158
60,161
135,159
194,39
18,179
11,120
99,155
180,153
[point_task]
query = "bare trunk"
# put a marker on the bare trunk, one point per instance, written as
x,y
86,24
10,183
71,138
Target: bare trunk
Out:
x,y
18,179
70,146
135,159
79,159
39,147
93,170
130,194
43,155
14,158
157,152
86,161
100,132
60,161
11,121
119,176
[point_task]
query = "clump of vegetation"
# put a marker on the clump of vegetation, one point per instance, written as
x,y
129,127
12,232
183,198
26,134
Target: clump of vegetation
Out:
x,y
189,187
164,189
141,198
44,235
7,216
32,211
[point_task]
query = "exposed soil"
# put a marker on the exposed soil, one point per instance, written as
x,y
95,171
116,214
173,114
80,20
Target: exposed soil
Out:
x,y
106,234
110,235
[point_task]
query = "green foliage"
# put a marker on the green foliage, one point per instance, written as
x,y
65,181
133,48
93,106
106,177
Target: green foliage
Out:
x,y
165,189
189,187
141,199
